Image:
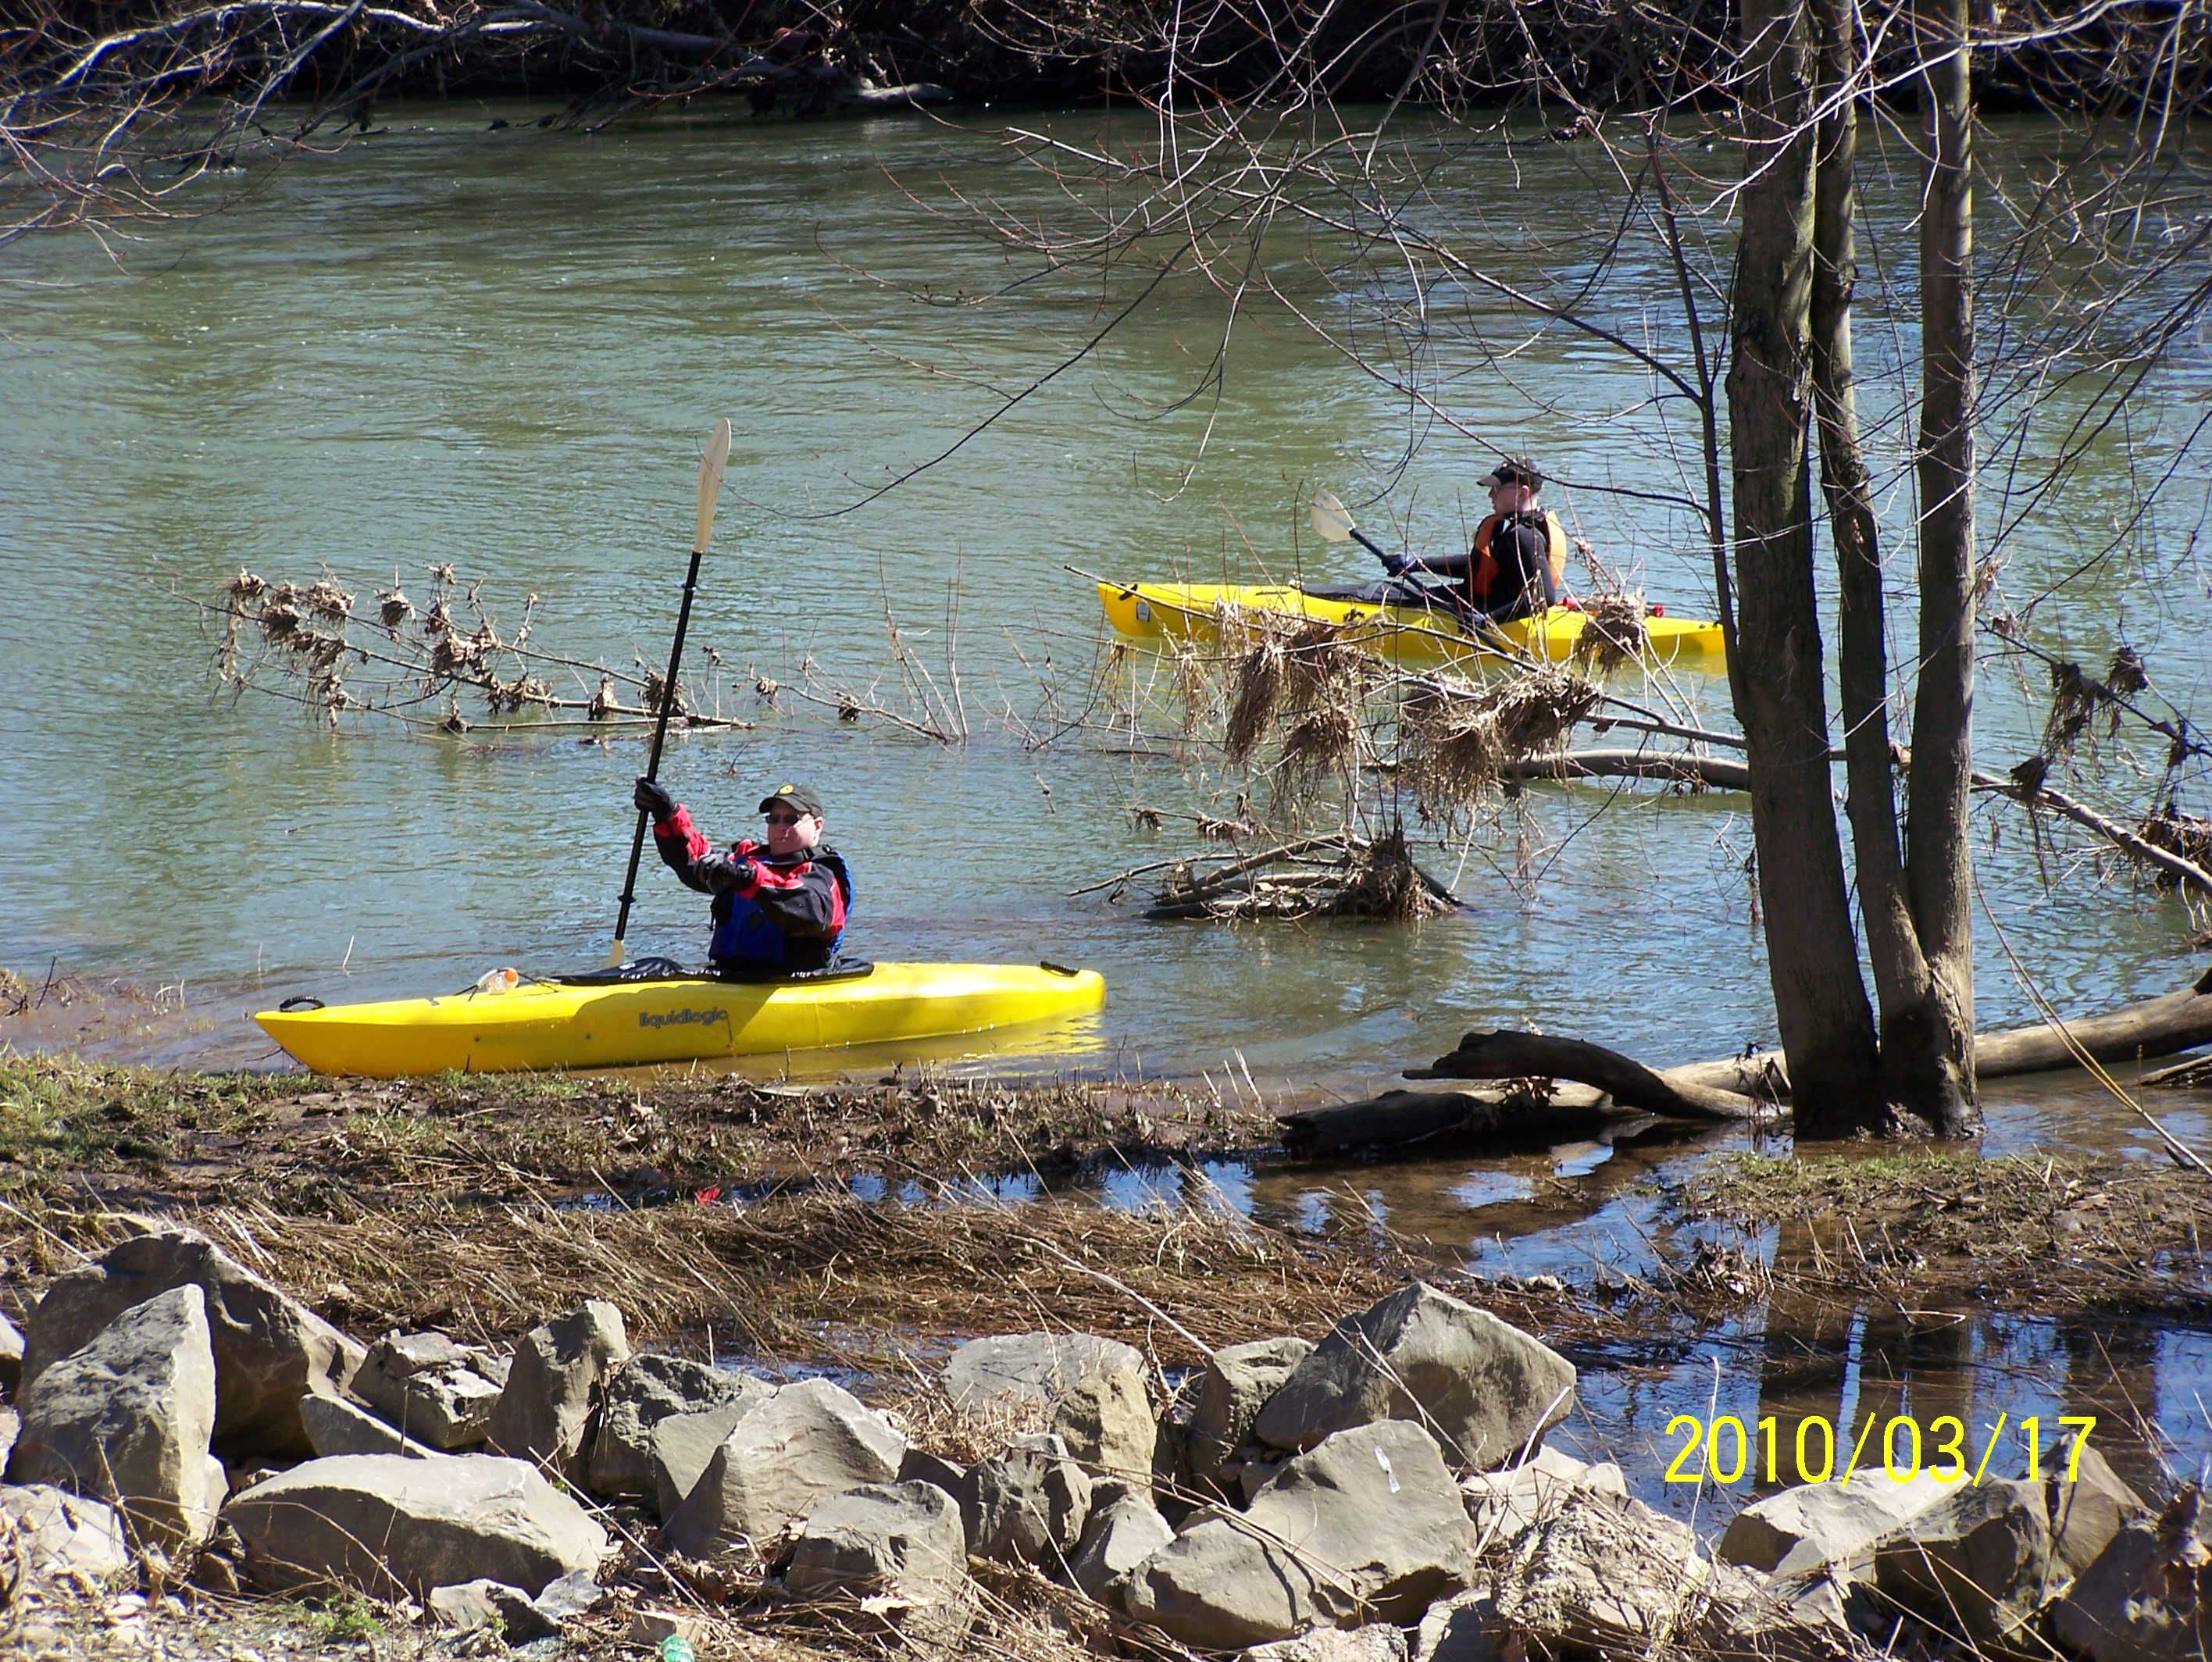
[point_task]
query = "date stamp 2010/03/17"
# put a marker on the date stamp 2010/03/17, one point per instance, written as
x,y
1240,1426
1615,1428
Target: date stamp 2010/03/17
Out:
x,y
1730,1454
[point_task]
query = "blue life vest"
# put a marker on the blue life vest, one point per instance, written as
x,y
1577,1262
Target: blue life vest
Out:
x,y
744,934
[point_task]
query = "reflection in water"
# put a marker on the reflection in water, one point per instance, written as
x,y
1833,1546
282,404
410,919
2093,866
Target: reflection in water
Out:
x,y
1832,1375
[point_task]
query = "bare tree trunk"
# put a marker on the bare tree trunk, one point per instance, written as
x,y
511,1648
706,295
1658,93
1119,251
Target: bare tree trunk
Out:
x,y
1930,1065
1903,990
1820,1004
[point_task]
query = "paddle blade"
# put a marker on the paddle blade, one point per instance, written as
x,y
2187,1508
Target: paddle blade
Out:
x,y
1332,520
614,957
710,483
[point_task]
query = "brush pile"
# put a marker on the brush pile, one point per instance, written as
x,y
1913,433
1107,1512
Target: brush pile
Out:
x,y
1330,876
2189,835
1459,744
1613,634
1311,681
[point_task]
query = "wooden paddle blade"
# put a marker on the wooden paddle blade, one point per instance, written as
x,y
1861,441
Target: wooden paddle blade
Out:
x,y
614,957
1332,520
710,483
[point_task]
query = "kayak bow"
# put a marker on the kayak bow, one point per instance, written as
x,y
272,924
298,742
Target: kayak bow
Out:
x,y
595,1022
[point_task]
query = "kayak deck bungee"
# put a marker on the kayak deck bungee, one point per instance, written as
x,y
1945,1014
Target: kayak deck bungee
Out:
x,y
600,1022
1404,633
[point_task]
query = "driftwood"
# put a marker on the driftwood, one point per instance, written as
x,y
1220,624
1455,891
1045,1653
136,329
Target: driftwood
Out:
x,y
2157,1026
2034,793
1628,1082
1714,773
1713,1090
1407,1121
2194,1073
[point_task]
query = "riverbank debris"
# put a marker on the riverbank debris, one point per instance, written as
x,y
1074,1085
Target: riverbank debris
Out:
x,y
1343,876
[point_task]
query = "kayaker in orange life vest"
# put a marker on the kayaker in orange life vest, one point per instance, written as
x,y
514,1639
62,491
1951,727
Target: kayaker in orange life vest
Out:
x,y
1519,560
780,904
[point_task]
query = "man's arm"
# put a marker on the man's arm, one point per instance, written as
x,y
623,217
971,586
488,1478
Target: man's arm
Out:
x,y
683,848
1440,565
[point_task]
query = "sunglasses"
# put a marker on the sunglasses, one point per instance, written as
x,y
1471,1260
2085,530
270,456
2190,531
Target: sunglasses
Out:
x,y
787,819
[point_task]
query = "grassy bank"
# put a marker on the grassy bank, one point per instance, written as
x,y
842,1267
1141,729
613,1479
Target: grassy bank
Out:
x,y
726,1208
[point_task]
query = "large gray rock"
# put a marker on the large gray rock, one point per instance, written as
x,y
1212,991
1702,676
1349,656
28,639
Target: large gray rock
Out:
x,y
387,1525
1485,1389
2149,1595
270,1350
646,1390
1974,1564
1606,1572
1124,1529
683,1447
810,1441
898,1549
1091,1392
999,1374
1378,1642
1027,1503
54,1533
1369,1524
126,1419
434,1390
555,1384
336,1426
1828,1527
1504,1506
1234,1386
2087,1513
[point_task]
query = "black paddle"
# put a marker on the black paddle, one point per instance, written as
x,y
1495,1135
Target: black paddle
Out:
x,y
1332,522
710,493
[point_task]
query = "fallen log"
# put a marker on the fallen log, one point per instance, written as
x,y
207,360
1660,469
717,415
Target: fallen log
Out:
x,y
1628,1082
1405,1122
1714,773
2155,1027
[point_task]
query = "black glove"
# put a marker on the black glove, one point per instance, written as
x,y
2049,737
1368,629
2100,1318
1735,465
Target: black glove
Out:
x,y
1397,564
741,870
652,800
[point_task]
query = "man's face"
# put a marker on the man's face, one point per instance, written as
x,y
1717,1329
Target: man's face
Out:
x,y
1511,497
790,831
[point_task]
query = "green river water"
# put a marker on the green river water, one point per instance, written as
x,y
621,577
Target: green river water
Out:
x,y
503,349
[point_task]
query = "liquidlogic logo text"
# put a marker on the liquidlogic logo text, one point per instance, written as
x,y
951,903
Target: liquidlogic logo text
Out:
x,y
679,1018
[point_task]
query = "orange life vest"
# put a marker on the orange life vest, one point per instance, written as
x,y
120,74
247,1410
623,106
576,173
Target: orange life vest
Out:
x,y
1482,576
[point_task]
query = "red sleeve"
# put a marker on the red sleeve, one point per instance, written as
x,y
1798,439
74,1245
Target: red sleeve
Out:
x,y
683,848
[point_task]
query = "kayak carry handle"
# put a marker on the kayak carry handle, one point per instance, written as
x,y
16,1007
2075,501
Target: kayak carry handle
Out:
x,y
300,1001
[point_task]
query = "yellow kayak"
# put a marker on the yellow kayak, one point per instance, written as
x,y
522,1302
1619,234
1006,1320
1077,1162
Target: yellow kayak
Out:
x,y
1402,634
598,1022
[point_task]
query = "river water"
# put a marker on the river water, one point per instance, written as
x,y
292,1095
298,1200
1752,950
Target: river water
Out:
x,y
502,349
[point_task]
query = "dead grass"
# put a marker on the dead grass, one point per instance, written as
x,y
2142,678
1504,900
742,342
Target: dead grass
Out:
x,y
302,1144
1613,634
2017,1233
1456,749
815,1280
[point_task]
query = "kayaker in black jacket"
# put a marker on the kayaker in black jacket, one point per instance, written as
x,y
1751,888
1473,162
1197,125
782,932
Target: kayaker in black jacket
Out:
x,y
780,904
1519,560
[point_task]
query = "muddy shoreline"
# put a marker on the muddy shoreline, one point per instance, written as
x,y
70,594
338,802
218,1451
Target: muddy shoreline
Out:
x,y
904,1185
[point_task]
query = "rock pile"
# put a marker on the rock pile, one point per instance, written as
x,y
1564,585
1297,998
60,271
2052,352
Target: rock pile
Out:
x,y
1383,1495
